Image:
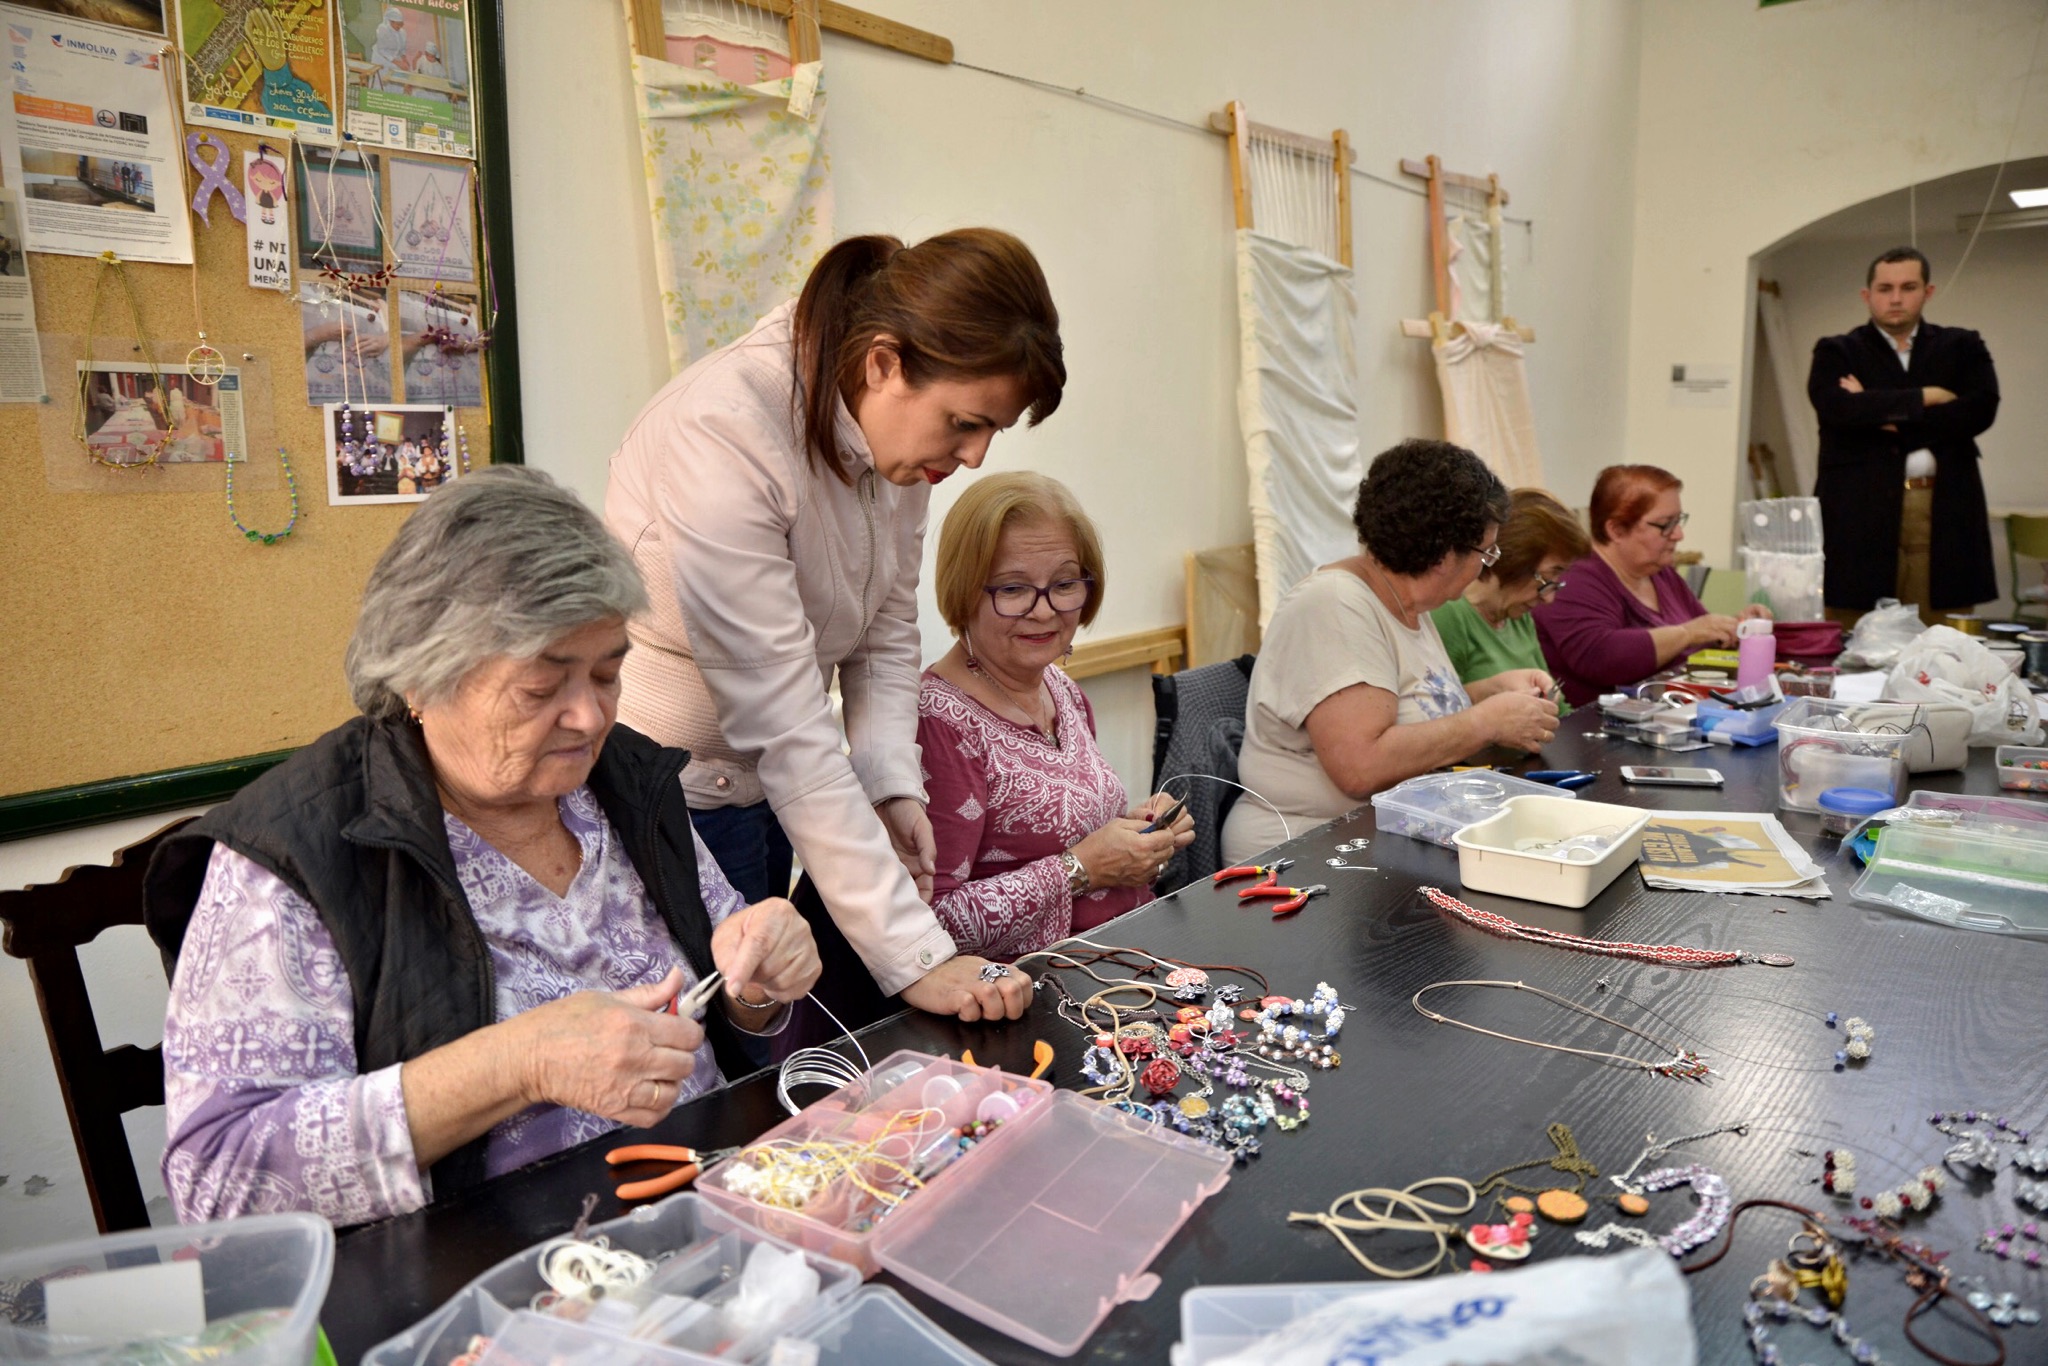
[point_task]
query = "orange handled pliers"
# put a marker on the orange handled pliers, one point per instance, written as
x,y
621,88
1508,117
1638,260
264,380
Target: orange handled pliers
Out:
x,y
692,1162
1266,873
1291,899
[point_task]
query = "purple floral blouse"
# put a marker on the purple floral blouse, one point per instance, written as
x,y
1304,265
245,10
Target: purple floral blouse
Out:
x,y
266,1109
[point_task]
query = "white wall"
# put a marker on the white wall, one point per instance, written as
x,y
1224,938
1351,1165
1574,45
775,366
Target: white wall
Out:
x,y
1132,221
1754,122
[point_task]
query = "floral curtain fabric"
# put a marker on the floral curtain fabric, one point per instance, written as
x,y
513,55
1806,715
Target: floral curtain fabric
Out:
x,y
738,180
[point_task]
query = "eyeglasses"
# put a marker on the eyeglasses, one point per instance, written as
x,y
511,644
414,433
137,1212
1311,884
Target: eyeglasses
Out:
x,y
1021,599
1545,587
1670,524
1489,555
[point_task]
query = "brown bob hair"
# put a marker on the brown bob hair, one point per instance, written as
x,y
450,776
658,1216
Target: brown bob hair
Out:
x,y
962,305
974,529
1538,527
1623,493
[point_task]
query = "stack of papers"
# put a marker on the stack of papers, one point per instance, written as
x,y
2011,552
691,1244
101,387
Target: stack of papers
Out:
x,y
1726,851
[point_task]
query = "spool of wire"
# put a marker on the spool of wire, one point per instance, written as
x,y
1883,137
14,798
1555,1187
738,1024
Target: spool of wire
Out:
x,y
819,1066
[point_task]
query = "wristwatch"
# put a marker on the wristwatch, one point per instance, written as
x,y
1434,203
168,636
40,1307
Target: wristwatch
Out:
x,y
1078,880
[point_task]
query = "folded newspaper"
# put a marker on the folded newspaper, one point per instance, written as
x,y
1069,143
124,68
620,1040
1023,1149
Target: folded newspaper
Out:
x,y
1727,851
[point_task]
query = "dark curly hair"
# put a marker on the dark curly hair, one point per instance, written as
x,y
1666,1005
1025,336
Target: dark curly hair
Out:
x,y
1423,500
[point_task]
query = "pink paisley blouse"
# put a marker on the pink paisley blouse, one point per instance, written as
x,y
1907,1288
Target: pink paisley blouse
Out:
x,y
1004,802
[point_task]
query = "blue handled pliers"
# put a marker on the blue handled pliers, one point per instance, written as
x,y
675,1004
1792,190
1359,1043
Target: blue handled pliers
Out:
x,y
1569,778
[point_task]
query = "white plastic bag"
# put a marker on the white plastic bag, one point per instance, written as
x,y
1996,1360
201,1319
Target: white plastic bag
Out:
x,y
1944,665
1880,635
1629,1310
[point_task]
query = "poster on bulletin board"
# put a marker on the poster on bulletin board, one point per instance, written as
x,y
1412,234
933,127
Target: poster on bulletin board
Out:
x,y
87,135
406,67
258,68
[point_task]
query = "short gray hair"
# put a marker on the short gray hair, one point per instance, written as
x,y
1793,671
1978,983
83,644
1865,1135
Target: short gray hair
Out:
x,y
500,562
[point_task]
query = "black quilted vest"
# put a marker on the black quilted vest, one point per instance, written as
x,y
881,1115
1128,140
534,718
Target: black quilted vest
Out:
x,y
353,824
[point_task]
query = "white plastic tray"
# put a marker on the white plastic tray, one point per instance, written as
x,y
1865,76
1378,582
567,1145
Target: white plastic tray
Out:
x,y
1491,859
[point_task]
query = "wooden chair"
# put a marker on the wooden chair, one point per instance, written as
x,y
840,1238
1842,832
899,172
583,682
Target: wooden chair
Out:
x,y
44,926
2026,538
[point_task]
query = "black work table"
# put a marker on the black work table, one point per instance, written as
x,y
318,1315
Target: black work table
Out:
x,y
1958,1018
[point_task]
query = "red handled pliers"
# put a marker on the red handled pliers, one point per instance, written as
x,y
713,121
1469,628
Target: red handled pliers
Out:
x,y
690,1162
1291,899
1266,873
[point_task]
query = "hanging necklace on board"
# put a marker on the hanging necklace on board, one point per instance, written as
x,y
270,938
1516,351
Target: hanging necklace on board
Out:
x,y
291,484
152,444
1678,1062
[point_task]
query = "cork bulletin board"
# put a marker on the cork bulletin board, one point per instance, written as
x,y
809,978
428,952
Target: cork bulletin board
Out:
x,y
142,633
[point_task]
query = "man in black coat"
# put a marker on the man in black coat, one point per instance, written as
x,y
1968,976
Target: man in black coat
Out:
x,y
1901,403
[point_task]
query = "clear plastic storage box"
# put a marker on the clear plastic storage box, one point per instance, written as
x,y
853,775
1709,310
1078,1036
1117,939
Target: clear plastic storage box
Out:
x,y
2023,768
1965,875
877,1327
1436,806
1217,1320
952,1092
1064,1182
1543,848
245,1292
702,1252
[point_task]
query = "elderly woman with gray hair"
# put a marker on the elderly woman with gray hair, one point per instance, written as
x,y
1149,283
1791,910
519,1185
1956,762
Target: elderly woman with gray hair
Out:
x,y
444,940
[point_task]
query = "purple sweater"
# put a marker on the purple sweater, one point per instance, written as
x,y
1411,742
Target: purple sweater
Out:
x,y
1596,635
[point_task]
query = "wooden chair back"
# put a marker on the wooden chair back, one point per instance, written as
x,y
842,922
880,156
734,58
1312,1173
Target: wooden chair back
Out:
x,y
44,926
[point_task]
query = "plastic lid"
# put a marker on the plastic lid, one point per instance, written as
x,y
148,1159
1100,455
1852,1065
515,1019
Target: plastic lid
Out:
x,y
1754,626
1855,801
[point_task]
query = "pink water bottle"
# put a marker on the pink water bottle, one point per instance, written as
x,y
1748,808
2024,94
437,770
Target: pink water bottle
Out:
x,y
1756,650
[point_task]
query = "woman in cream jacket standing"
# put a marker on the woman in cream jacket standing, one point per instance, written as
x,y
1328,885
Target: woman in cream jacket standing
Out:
x,y
774,494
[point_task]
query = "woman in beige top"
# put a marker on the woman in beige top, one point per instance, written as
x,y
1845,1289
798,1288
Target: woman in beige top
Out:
x,y
774,494
1353,691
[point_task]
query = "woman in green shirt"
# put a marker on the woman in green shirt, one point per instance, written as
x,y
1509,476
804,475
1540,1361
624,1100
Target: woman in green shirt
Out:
x,y
1489,630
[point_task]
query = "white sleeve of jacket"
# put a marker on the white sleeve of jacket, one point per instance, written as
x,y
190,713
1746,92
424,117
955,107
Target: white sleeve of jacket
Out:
x,y
726,503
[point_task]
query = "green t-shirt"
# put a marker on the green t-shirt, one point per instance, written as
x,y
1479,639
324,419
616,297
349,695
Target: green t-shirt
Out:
x,y
1480,651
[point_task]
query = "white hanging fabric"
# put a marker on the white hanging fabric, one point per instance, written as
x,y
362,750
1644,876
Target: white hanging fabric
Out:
x,y
1801,427
1472,247
1480,369
1297,403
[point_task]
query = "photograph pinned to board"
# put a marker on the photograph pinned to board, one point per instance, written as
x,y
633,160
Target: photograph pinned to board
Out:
x,y
347,337
1726,851
146,16
388,453
21,356
258,68
341,223
432,226
405,65
91,141
132,410
442,337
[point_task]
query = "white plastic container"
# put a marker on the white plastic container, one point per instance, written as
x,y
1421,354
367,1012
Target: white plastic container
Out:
x,y
274,1267
1496,855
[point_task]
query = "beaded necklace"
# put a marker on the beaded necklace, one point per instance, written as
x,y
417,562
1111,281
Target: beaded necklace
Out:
x,y
156,441
1671,955
291,484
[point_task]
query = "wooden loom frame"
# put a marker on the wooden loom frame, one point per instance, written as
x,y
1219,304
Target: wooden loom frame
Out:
x,y
1236,125
807,20
1439,323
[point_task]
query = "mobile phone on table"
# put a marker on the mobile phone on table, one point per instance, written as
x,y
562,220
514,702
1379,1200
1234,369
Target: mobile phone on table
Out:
x,y
1672,777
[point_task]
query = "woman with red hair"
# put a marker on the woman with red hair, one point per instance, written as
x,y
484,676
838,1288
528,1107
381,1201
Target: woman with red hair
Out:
x,y
1624,611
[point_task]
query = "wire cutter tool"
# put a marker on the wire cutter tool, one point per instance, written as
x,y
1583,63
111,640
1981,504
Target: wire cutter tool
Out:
x,y
1165,820
1291,899
1266,873
690,1162
1568,778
